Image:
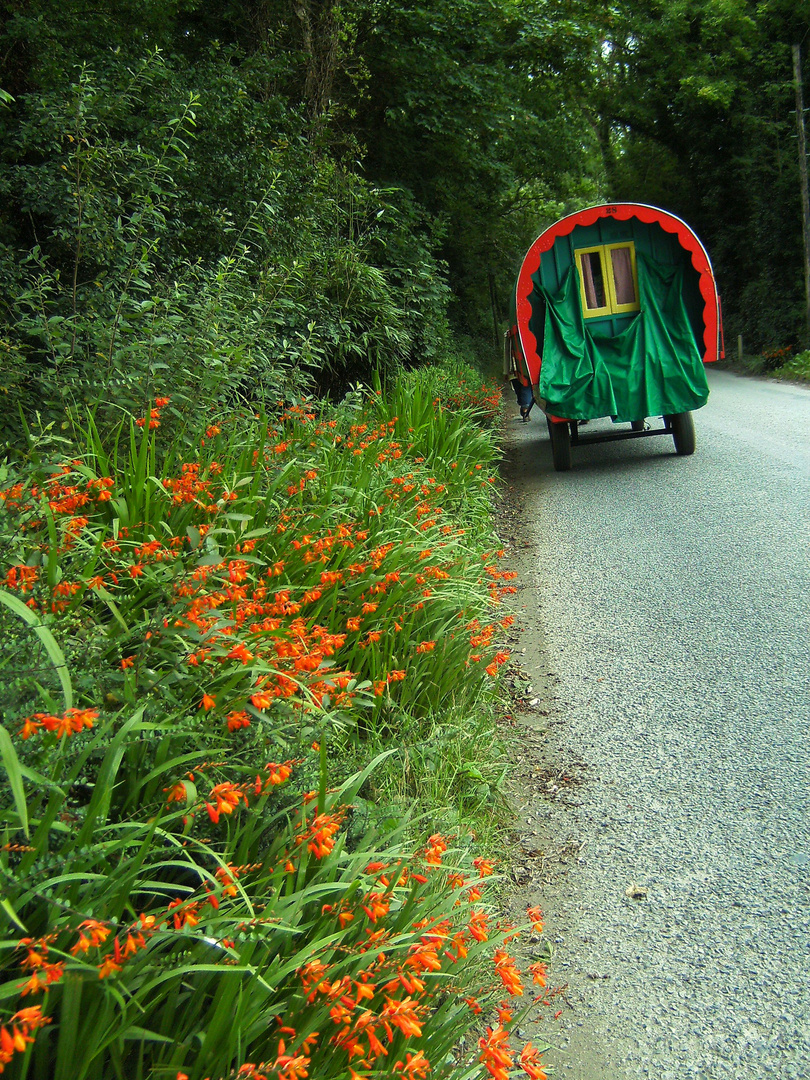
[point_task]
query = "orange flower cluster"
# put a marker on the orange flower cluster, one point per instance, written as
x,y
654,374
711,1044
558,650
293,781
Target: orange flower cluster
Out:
x,y
16,1037
93,934
153,418
226,797
230,606
486,397
498,1058
42,971
320,835
71,722
509,975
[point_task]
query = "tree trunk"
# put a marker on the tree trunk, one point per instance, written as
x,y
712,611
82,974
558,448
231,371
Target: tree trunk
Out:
x,y
319,29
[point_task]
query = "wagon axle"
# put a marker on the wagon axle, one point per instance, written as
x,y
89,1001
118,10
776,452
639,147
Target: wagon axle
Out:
x,y
565,433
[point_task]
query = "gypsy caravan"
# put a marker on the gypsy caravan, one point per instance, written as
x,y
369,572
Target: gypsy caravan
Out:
x,y
614,313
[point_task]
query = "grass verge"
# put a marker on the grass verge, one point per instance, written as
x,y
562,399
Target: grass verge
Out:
x,y
250,672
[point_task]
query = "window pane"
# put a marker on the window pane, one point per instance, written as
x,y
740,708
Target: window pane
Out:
x,y
593,280
623,276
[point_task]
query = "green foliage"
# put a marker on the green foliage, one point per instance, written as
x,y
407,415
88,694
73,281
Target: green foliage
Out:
x,y
472,108
697,114
187,886
138,260
796,368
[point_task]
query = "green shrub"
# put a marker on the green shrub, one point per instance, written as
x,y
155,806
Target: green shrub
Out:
x,y
796,368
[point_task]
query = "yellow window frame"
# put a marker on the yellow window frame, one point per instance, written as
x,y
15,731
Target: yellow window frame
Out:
x,y
612,306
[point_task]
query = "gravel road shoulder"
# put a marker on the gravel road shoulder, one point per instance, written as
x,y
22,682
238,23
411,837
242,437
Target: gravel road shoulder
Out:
x,y
546,793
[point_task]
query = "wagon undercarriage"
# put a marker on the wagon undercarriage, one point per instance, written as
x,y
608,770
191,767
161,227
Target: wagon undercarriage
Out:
x,y
566,433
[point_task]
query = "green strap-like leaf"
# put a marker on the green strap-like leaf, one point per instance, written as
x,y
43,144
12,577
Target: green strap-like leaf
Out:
x,y
11,763
57,657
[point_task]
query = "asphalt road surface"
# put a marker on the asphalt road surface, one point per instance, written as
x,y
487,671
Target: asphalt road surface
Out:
x,y
674,596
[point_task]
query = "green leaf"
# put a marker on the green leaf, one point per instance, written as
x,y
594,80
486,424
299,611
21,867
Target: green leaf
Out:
x,y
11,763
57,657
12,914
111,604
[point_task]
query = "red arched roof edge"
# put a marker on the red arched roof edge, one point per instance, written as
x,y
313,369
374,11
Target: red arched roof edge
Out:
x,y
621,212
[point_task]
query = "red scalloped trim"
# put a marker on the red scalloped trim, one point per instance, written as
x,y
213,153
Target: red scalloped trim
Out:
x,y
622,212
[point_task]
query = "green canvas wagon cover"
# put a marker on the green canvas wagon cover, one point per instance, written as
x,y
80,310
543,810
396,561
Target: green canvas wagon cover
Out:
x,y
614,313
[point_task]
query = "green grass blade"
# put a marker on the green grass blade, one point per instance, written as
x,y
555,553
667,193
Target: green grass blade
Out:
x,y
11,763
57,657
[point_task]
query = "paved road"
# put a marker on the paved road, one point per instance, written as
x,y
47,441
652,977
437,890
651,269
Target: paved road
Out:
x,y
675,598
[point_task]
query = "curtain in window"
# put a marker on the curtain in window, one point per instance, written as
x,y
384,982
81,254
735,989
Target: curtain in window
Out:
x,y
623,275
594,285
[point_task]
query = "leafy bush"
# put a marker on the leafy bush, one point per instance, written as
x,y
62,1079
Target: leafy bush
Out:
x,y
796,368
131,246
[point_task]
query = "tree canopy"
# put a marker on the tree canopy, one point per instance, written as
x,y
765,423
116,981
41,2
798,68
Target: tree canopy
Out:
x,y
313,189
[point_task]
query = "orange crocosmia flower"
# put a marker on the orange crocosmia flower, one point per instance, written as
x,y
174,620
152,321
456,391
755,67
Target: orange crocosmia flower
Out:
x,y
539,972
403,1015
17,1039
29,728
459,945
536,918
530,1063
478,926
176,793
483,866
424,958
263,699
208,702
71,723
240,652
377,905
321,834
226,796
109,966
438,846
415,1067
495,1055
185,914
426,646
278,773
237,720
290,1066
505,966
504,1014
91,934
